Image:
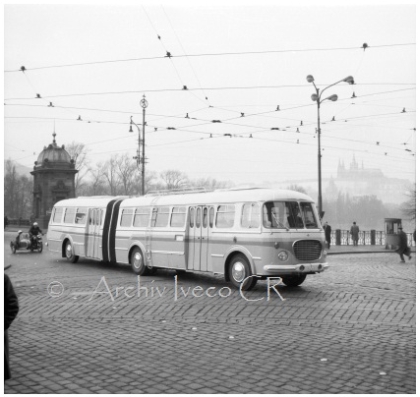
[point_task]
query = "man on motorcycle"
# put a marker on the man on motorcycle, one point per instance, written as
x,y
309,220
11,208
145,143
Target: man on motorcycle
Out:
x,y
33,232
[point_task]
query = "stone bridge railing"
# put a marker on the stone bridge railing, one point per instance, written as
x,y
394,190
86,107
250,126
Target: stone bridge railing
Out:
x,y
368,237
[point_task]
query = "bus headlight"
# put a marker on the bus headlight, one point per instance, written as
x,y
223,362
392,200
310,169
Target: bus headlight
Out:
x,y
283,255
325,252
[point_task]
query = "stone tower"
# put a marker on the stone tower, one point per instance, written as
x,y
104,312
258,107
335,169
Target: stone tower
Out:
x,y
54,173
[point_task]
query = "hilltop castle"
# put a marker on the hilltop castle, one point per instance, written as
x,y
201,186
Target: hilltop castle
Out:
x,y
360,181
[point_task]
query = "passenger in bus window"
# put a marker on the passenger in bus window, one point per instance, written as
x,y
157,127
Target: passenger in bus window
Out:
x,y
275,217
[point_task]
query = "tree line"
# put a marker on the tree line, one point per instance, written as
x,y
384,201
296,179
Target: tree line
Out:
x,y
18,192
119,175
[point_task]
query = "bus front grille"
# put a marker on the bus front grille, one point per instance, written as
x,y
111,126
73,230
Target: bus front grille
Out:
x,y
307,250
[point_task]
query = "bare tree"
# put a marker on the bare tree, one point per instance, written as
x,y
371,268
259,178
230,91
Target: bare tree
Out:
x,y
210,183
18,192
110,173
96,185
408,208
79,153
126,170
174,179
150,181
297,188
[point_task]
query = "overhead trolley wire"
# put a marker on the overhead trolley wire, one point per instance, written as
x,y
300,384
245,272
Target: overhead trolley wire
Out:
x,y
196,89
208,55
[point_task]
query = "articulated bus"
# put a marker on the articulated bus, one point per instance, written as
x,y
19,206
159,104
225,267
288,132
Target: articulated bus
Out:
x,y
244,234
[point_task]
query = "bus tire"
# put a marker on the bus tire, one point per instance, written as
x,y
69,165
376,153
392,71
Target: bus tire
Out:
x,y
294,281
137,263
69,251
239,270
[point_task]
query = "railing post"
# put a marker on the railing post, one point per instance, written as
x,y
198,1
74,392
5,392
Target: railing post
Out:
x,y
372,237
338,237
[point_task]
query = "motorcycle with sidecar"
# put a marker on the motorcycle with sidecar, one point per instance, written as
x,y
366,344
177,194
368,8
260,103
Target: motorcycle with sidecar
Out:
x,y
25,243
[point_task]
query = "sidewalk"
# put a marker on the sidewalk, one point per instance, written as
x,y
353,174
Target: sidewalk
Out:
x,y
362,249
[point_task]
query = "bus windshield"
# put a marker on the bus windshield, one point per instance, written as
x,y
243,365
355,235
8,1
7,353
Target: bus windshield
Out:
x,y
289,215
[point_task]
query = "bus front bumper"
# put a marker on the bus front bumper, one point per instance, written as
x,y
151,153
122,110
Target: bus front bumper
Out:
x,y
305,268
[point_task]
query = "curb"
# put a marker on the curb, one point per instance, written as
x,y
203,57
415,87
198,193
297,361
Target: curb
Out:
x,y
365,252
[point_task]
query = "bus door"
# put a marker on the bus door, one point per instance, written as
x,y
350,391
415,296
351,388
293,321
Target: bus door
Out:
x,y
198,238
205,240
93,233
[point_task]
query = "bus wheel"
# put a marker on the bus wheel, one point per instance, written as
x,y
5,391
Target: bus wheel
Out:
x,y
294,281
137,263
239,270
70,256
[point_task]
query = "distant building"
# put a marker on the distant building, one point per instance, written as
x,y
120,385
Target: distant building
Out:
x,y
360,181
356,180
54,173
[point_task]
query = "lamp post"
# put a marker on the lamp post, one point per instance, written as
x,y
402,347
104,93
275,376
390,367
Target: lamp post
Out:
x,y
141,159
317,97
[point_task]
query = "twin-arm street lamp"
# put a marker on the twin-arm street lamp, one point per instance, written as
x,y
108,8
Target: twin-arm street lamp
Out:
x,y
317,97
141,159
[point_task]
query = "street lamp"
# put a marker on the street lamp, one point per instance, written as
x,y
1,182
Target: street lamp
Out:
x,y
141,159
317,97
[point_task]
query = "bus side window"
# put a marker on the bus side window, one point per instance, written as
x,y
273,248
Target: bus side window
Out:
x,y
178,217
162,217
211,217
81,216
126,217
58,214
250,216
225,216
141,217
69,215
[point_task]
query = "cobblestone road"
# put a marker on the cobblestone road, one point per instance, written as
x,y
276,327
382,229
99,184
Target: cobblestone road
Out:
x,y
349,330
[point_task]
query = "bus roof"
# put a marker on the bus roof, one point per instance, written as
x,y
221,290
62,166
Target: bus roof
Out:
x,y
218,196
100,201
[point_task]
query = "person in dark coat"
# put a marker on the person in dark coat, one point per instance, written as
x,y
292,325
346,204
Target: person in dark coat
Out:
x,y
11,309
403,248
354,232
327,229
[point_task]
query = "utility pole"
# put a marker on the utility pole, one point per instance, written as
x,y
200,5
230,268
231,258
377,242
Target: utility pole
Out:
x,y
143,104
317,98
141,158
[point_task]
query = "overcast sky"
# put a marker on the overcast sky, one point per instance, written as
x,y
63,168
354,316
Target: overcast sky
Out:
x,y
97,62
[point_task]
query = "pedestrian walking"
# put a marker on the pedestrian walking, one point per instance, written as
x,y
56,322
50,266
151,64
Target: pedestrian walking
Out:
x,y
403,248
354,232
11,309
327,230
